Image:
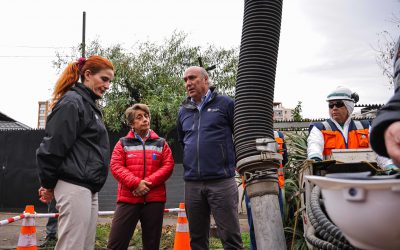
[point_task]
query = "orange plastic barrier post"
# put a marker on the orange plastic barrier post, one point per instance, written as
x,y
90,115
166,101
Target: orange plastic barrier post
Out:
x,y
27,236
182,237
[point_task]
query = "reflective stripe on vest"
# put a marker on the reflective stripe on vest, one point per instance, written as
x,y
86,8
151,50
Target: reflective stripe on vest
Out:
x,y
281,177
358,124
333,139
327,125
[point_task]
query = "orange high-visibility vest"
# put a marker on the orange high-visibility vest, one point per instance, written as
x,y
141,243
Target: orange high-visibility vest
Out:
x,y
281,176
358,136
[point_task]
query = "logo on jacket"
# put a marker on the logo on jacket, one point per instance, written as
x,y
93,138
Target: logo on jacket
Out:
x,y
363,137
212,109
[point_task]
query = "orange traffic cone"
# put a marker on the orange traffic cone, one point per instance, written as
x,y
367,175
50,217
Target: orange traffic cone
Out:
x,y
182,237
27,236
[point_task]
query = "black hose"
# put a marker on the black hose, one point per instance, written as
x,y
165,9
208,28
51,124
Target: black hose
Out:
x,y
320,244
256,75
324,223
323,227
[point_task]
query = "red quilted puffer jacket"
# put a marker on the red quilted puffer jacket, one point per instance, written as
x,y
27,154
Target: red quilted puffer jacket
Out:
x,y
132,161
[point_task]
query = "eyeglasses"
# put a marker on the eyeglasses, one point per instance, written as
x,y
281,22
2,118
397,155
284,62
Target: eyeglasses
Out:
x,y
337,104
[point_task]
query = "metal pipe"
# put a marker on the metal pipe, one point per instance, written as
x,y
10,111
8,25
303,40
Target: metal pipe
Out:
x,y
83,45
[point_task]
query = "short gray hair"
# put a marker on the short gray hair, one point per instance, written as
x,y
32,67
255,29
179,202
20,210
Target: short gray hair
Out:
x,y
131,111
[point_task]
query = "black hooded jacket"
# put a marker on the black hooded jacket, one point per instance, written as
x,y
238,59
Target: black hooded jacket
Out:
x,y
75,148
386,116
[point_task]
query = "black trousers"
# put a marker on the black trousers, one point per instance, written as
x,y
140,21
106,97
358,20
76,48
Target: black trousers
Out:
x,y
125,219
219,197
51,226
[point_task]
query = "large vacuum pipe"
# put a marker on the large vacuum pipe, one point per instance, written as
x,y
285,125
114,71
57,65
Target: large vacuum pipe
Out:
x,y
255,145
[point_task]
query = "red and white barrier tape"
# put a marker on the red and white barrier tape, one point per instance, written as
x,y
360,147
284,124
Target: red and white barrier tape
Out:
x,y
167,210
105,213
22,216
55,215
171,210
11,219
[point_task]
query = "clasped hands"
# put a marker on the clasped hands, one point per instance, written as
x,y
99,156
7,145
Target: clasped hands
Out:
x,y
46,195
142,189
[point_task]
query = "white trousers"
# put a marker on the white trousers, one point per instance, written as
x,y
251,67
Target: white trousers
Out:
x,y
78,209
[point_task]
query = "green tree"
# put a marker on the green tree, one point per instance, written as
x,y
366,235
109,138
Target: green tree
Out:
x,y
296,112
151,73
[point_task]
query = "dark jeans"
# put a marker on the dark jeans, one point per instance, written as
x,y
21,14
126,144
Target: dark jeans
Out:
x,y
125,219
219,197
253,244
51,226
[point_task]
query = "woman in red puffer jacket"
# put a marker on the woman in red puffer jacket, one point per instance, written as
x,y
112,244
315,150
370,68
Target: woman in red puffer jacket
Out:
x,y
141,162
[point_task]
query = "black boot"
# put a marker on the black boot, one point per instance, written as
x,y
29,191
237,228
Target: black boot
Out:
x,y
49,241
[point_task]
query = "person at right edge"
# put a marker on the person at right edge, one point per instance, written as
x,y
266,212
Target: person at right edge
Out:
x,y
205,129
385,132
340,131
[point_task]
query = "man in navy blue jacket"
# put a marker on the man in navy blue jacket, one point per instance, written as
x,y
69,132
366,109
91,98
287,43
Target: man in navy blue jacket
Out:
x,y
205,129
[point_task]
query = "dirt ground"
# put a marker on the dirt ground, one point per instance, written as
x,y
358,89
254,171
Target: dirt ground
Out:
x,y
9,233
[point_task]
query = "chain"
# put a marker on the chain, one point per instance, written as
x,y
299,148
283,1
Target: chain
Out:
x,y
260,174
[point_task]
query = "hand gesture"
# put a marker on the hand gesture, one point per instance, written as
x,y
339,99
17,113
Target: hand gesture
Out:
x,y
46,195
392,142
142,189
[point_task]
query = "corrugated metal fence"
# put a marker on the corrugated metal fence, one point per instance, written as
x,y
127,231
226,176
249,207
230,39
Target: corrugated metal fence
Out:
x,y
19,181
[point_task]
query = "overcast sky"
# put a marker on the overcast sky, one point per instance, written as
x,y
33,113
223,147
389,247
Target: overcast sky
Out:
x,y
323,43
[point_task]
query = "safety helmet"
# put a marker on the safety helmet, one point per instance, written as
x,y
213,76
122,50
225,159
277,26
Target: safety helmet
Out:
x,y
342,93
349,201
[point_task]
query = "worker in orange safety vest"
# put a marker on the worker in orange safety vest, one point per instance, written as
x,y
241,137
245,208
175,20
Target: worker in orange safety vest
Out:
x,y
340,131
280,140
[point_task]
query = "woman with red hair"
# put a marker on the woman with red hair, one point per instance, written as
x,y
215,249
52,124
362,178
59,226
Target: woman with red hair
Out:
x,y
73,157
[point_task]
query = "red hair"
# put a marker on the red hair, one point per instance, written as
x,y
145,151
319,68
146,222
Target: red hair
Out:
x,y
75,70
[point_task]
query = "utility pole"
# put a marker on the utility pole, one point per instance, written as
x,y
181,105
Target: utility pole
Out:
x,y
83,34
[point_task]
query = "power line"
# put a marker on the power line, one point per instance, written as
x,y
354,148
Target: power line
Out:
x,y
24,56
34,56
43,47
38,47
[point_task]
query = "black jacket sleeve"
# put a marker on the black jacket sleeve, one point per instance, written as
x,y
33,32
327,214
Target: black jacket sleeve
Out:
x,y
60,135
387,115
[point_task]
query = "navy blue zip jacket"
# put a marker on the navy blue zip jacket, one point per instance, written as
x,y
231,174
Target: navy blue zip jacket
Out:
x,y
206,137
